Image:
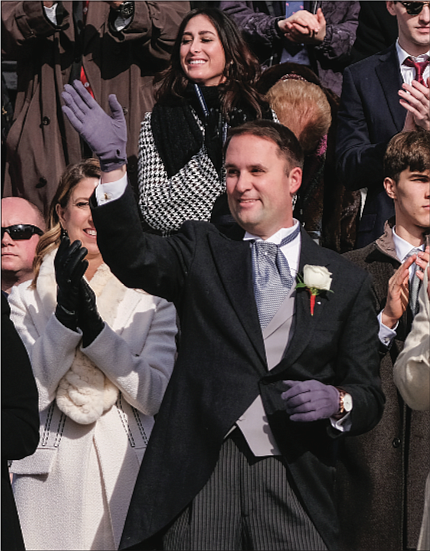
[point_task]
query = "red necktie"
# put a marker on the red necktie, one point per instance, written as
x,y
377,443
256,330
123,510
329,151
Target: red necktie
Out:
x,y
420,67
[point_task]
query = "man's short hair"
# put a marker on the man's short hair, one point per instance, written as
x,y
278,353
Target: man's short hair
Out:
x,y
282,136
407,150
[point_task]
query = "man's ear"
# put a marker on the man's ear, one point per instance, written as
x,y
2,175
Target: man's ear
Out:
x,y
295,176
390,8
390,187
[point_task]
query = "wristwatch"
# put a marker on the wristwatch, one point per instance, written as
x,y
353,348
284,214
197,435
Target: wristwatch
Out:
x,y
345,402
126,9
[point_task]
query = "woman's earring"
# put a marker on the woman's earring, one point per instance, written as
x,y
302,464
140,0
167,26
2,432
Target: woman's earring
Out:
x,y
64,233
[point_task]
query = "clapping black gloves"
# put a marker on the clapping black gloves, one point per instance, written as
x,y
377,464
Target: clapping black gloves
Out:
x,y
70,267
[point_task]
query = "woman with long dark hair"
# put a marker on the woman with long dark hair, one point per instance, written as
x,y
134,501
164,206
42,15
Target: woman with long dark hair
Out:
x,y
208,87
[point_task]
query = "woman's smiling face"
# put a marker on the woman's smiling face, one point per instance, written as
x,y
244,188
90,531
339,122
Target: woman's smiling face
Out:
x,y
76,217
202,54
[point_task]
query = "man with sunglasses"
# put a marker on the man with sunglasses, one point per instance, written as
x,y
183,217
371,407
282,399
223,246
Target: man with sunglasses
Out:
x,y
383,95
22,224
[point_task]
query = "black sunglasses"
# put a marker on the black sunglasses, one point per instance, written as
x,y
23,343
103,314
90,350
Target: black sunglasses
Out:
x,y
19,232
414,8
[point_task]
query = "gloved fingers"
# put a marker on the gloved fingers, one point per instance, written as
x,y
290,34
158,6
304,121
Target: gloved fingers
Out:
x,y
315,404
64,245
70,259
303,398
86,293
77,266
79,271
84,96
73,119
116,108
295,388
307,417
73,100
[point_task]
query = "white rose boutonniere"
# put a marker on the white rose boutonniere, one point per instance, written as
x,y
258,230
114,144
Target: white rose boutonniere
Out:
x,y
315,279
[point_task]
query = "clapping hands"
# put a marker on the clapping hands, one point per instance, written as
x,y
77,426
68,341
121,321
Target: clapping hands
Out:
x,y
304,27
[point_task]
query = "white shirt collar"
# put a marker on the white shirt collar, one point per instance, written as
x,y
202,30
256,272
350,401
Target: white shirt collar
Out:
x,y
291,250
276,237
402,54
403,248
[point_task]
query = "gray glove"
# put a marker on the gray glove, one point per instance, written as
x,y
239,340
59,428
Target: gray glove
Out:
x,y
105,135
307,401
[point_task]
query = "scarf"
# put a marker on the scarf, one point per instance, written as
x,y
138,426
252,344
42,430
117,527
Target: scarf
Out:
x,y
177,135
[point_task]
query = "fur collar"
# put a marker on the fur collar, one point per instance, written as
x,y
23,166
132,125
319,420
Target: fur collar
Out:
x,y
84,393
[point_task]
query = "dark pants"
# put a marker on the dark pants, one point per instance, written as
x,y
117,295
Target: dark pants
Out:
x,y
247,503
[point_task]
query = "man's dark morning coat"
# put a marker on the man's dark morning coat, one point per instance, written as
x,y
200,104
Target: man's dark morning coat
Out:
x,y
221,365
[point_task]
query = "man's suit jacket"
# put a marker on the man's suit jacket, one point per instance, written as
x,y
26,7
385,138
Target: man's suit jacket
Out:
x,y
221,365
369,116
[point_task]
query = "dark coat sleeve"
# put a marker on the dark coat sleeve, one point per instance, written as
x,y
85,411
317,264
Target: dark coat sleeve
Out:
x,y
20,411
155,264
154,28
359,158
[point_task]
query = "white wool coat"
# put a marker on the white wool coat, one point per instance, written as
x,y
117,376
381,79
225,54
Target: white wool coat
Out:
x,y
74,491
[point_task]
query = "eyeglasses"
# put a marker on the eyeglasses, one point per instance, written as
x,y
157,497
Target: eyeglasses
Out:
x,y
414,8
19,232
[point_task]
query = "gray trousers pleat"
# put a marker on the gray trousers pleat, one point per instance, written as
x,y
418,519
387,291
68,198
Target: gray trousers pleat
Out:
x,y
247,503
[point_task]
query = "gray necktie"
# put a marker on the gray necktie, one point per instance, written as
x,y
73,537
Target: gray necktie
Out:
x,y
272,276
414,284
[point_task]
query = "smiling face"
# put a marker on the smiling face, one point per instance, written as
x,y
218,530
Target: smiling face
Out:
x,y
411,195
414,30
202,54
76,217
260,185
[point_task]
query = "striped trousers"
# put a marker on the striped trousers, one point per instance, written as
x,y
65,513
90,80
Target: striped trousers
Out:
x,y
248,503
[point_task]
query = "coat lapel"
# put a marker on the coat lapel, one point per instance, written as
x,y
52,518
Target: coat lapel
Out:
x,y
389,75
305,323
234,264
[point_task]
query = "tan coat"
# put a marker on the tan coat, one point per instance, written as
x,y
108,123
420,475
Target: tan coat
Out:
x,y
41,141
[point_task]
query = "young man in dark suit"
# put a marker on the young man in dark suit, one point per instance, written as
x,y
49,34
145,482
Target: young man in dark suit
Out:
x,y
381,96
382,474
267,379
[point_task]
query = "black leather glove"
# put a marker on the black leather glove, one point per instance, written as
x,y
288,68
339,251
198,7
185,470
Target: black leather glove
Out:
x,y
89,319
70,266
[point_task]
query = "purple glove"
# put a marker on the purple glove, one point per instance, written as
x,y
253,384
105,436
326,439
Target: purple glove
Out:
x,y
106,136
310,400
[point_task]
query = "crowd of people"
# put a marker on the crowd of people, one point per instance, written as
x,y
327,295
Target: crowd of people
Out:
x,y
215,275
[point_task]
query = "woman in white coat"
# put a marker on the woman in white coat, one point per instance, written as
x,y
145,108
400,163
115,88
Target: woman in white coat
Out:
x,y
102,356
412,378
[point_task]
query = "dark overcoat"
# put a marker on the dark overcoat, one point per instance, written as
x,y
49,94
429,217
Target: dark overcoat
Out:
x,y
382,474
41,141
221,365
